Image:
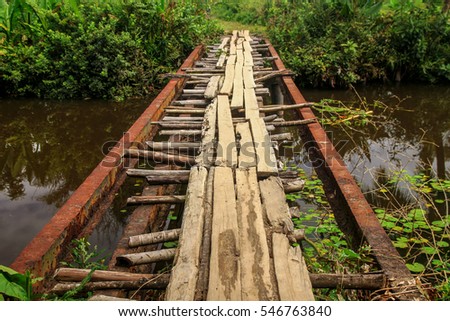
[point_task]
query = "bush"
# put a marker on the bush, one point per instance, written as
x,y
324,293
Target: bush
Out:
x,y
109,50
327,43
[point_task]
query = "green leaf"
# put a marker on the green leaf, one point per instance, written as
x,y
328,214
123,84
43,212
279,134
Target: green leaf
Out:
x,y
417,214
429,250
12,289
416,267
439,201
442,244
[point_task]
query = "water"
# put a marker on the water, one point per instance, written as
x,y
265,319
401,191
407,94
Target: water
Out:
x,y
47,149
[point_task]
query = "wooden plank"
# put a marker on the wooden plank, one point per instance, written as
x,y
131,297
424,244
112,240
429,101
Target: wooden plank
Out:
x,y
227,86
247,36
232,59
251,104
184,275
184,111
206,156
247,47
179,132
247,154
77,275
248,59
266,159
233,45
274,202
160,199
150,172
224,43
291,271
225,270
256,283
221,61
237,100
226,148
249,81
211,89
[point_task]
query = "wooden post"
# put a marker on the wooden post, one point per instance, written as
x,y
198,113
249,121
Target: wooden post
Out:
x,y
142,200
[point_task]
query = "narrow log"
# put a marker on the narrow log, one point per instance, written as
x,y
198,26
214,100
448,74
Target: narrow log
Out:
x,y
78,275
146,257
173,145
177,125
151,199
156,237
175,119
193,91
150,172
198,102
180,132
101,297
279,73
159,179
292,122
184,111
275,108
160,282
159,156
278,137
348,281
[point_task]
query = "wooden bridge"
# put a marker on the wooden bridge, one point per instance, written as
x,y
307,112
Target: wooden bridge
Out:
x,y
210,140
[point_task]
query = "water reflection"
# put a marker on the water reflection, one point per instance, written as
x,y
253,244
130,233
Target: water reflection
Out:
x,y
414,136
46,150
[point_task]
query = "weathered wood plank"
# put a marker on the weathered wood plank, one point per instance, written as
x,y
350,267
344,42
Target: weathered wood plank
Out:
x,y
266,158
274,202
160,199
184,275
133,172
232,59
185,111
247,154
247,37
221,62
225,270
227,86
226,147
206,156
77,275
237,100
251,104
159,156
256,283
224,43
248,59
145,257
211,89
291,271
249,81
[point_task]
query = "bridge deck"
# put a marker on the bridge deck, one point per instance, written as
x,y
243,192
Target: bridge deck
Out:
x,y
214,166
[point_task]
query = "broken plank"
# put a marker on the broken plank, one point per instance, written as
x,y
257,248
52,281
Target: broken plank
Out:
x,y
266,158
225,271
291,271
211,89
184,274
256,283
247,154
208,145
274,202
226,147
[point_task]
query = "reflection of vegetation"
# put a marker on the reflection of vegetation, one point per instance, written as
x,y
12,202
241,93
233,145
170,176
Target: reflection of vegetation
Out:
x,y
56,145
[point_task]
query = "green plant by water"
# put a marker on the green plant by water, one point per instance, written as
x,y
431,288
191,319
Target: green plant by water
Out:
x,y
15,286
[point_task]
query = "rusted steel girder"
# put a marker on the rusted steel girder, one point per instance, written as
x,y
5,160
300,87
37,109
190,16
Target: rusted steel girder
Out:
x,y
352,212
42,254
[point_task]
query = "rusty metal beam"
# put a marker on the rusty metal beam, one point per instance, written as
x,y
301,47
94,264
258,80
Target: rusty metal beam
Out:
x,y
353,213
41,255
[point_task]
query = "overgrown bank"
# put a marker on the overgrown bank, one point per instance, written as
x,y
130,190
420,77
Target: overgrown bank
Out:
x,y
95,49
338,42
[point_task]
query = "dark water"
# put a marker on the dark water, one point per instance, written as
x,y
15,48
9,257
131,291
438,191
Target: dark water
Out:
x,y
47,149
414,134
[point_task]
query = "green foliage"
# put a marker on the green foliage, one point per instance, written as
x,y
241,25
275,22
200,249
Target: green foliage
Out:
x,y
339,42
91,49
14,285
82,257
